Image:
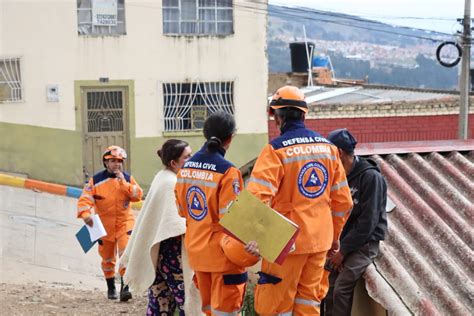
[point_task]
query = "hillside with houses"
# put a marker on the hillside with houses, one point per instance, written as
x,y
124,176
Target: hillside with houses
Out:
x,y
358,48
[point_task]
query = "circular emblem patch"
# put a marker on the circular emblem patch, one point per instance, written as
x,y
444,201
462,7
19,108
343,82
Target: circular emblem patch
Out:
x,y
197,204
313,179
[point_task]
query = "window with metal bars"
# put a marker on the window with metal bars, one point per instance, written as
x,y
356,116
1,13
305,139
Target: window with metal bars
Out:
x,y
187,105
11,89
198,17
87,25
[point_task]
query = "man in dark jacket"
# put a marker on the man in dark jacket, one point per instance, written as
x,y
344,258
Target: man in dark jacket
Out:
x,y
366,226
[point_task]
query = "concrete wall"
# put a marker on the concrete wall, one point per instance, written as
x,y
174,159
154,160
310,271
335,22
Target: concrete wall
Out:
x,y
39,229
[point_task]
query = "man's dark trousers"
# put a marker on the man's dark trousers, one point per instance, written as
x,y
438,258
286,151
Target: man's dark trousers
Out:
x,y
338,301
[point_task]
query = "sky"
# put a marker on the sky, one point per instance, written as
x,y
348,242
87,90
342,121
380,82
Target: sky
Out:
x,y
435,15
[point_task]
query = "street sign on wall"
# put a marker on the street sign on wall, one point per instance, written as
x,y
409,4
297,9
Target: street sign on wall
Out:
x,y
104,12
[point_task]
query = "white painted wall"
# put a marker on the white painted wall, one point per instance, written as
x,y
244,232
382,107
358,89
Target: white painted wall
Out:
x,y
44,35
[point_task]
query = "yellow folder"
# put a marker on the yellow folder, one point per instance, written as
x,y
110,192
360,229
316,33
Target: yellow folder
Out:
x,y
249,219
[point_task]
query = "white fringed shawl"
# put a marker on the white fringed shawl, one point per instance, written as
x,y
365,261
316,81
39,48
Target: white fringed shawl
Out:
x,y
158,221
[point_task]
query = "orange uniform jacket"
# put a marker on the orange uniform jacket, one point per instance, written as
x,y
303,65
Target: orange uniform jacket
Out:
x,y
301,176
110,197
206,185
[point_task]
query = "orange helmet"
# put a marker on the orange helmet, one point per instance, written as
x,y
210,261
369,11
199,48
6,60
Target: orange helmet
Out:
x,y
288,97
235,252
114,152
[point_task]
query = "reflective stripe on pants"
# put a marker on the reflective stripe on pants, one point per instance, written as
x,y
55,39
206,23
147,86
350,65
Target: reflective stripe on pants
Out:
x,y
300,276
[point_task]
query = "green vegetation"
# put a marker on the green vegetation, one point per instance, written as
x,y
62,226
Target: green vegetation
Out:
x,y
248,307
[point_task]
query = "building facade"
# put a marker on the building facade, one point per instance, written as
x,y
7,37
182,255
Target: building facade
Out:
x,y
79,75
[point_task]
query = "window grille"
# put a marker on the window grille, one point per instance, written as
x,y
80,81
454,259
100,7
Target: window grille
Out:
x,y
198,17
11,89
84,20
187,105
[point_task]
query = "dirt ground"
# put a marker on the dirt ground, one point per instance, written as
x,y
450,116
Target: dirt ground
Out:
x,y
56,298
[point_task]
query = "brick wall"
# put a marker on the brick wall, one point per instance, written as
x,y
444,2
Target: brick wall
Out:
x,y
389,129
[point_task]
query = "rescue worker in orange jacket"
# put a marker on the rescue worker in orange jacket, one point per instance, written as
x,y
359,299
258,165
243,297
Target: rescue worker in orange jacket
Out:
x,y
108,194
206,185
301,176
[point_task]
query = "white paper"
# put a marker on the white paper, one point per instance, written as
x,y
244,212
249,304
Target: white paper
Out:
x,y
390,205
97,230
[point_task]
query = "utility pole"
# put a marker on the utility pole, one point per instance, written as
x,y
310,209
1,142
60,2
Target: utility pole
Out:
x,y
464,85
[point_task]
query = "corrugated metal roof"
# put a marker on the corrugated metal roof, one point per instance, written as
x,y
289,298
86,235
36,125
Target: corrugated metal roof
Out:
x,y
426,264
367,94
428,256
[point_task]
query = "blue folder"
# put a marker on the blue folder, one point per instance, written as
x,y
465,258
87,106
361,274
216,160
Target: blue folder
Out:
x,y
84,239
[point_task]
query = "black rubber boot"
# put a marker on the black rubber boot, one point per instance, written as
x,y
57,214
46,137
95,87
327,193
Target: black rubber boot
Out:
x,y
111,292
125,294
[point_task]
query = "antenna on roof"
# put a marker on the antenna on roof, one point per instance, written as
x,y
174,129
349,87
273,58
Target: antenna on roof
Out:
x,y
309,53
333,74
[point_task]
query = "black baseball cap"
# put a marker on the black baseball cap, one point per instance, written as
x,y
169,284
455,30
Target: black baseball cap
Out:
x,y
343,139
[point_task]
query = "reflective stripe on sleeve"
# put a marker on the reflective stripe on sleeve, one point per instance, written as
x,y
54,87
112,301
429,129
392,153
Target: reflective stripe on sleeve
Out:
x,y
89,197
263,182
223,210
197,182
339,185
304,301
309,157
339,214
134,191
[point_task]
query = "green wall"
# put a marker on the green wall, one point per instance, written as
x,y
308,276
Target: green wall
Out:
x,y
48,154
145,162
55,155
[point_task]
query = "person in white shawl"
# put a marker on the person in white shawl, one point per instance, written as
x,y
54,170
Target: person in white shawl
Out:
x,y
155,258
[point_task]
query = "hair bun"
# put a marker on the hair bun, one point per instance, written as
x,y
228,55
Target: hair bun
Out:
x,y
158,152
215,140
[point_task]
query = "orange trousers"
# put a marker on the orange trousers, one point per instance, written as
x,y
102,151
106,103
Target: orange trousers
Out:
x,y
298,291
108,252
217,295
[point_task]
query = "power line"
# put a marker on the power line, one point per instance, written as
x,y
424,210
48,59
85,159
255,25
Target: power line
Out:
x,y
337,15
270,9
362,27
357,19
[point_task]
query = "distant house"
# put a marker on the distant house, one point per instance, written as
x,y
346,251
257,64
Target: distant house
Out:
x,y
77,76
